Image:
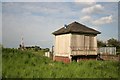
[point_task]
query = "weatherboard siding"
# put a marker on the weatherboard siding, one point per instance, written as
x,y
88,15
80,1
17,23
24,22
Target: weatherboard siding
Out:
x,y
62,44
77,41
83,45
75,44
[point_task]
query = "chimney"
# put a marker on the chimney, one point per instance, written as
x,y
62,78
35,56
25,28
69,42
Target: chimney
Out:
x,y
65,26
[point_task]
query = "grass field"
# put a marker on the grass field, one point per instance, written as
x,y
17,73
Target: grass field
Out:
x,y
31,64
0,62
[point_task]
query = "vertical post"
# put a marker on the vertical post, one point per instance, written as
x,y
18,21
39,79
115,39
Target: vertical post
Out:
x,y
52,51
70,58
115,51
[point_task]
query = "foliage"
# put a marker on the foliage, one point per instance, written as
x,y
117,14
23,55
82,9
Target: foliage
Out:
x,y
101,43
1,60
31,64
113,42
46,49
36,48
110,43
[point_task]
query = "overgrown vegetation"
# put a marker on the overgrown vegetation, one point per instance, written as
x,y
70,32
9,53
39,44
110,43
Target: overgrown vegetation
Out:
x,y
31,64
0,60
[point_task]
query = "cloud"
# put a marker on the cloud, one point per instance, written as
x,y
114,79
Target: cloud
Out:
x,y
92,1
36,21
107,0
86,18
97,22
103,20
93,9
86,2
33,1
40,9
59,0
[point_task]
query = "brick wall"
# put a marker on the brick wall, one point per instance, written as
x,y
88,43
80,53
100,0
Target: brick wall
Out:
x,y
110,57
85,59
61,58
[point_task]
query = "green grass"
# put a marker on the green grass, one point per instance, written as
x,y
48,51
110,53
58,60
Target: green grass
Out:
x,y
0,61
31,64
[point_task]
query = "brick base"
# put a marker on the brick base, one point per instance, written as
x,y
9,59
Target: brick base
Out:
x,y
76,58
62,59
110,57
83,57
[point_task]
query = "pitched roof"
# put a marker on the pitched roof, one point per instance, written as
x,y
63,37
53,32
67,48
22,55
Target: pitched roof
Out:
x,y
75,27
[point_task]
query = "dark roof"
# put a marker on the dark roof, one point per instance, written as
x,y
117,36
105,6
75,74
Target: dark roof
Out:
x,y
75,27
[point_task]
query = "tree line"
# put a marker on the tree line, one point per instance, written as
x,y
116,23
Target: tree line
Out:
x,y
109,43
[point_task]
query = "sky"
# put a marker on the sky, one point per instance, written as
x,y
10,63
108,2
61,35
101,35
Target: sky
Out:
x,y
0,22
59,1
35,21
119,22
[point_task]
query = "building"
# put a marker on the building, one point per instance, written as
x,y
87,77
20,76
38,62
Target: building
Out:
x,y
49,54
75,42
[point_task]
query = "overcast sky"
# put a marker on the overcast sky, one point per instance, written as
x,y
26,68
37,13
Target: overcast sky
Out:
x,y
36,21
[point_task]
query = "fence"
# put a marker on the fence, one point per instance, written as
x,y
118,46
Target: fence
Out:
x,y
94,50
107,50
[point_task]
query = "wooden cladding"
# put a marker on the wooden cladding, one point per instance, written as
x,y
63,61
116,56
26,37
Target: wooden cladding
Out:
x,y
75,44
82,42
62,44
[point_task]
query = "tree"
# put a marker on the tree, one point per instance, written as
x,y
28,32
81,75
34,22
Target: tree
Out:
x,y
37,48
113,42
46,49
101,43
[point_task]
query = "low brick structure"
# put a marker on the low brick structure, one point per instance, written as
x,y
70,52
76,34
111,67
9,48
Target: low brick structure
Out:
x,y
110,57
62,59
84,57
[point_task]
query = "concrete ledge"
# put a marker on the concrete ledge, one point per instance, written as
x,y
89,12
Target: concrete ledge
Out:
x,y
63,55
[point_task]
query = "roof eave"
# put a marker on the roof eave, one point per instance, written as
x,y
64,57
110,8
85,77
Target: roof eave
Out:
x,y
77,32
